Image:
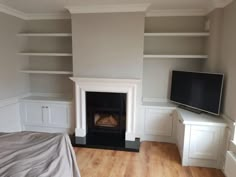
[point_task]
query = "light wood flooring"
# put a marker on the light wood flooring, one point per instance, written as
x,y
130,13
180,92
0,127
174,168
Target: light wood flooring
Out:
x,y
153,160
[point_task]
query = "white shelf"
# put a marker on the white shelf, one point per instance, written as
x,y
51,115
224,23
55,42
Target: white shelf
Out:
x,y
46,72
177,56
202,34
47,99
44,54
44,34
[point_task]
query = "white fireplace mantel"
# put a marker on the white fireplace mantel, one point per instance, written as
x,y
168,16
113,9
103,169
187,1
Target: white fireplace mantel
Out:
x,y
128,86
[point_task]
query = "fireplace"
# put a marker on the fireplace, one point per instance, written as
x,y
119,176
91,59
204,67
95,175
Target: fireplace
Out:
x,y
105,85
106,113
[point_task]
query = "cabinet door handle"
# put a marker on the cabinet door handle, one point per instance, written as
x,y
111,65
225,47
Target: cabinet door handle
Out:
x,y
180,121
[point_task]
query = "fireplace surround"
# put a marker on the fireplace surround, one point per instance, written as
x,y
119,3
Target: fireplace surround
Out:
x,y
105,85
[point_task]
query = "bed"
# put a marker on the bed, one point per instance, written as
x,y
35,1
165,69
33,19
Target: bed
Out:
x,y
31,154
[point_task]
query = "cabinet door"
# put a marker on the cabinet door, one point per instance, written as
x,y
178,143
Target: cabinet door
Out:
x,y
158,122
59,115
204,142
180,136
34,114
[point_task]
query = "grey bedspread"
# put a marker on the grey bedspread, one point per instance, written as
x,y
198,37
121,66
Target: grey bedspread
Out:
x,y
30,154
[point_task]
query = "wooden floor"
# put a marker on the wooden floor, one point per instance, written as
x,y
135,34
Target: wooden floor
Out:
x,y
153,160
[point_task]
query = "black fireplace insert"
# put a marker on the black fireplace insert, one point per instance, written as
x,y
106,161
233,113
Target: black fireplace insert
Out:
x,y
106,113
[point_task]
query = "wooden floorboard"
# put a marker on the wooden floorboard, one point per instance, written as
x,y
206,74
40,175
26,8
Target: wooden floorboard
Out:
x,y
153,160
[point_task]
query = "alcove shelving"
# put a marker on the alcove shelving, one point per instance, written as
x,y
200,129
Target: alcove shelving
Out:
x,y
45,54
177,56
44,34
171,43
47,72
183,34
47,46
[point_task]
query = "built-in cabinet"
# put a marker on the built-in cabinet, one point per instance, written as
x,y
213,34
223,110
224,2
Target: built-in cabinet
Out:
x,y
47,116
200,144
46,47
158,122
198,137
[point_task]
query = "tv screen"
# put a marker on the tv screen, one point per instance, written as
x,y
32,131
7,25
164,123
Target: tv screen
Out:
x,y
201,91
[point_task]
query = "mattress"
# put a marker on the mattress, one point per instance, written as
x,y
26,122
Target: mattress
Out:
x,y
31,154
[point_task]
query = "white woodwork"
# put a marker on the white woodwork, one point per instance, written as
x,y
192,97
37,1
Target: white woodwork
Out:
x,y
45,54
199,137
128,86
26,9
176,56
9,115
158,122
230,164
204,142
108,8
47,72
180,137
49,116
34,114
44,34
176,12
59,115
202,34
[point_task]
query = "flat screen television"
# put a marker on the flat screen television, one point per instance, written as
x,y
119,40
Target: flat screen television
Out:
x,y
200,91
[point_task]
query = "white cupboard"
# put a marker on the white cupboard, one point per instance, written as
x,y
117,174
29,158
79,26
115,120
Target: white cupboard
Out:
x,y
204,142
199,137
47,116
200,143
158,122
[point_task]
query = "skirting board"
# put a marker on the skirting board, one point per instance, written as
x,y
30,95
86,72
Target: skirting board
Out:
x,y
164,139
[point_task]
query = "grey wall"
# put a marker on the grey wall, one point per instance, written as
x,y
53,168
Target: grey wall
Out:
x,y
226,63
108,45
12,83
157,75
215,19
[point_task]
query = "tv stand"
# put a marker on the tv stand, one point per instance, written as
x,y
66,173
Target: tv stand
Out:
x,y
190,109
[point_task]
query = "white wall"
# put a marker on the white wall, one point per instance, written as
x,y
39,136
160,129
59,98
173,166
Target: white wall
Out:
x,y
12,82
225,62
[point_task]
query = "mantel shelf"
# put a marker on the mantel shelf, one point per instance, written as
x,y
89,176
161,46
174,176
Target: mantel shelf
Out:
x,y
44,54
197,34
44,34
46,72
177,56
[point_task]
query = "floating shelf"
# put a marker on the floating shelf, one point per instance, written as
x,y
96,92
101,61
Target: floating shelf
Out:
x,y
202,34
177,56
46,72
45,54
44,34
